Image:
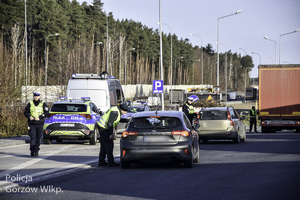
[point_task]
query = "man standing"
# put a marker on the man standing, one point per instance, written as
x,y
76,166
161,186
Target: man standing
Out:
x,y
35,111
107,123
188,107
253,114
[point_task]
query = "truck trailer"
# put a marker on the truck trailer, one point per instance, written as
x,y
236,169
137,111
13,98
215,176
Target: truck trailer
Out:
x,y
279,97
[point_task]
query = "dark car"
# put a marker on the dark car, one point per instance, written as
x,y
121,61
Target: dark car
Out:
x,y
159,136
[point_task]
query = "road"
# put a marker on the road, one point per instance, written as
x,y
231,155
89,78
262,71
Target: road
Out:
x,y
267,166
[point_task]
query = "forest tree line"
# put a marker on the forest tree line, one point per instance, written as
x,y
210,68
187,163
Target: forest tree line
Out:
x,y
81,46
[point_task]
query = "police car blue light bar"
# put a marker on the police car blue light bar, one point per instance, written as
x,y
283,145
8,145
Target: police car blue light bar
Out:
x,y
73,75
86,98
63,98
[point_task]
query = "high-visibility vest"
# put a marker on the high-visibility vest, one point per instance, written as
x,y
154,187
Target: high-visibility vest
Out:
x,y
103,122
191,109
253,114
36,111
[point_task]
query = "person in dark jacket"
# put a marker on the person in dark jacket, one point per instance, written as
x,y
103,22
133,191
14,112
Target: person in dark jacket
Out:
x,y
36,111
107,123
188,107
253,114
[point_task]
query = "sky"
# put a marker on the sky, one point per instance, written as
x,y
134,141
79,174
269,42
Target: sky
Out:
x,y
246,30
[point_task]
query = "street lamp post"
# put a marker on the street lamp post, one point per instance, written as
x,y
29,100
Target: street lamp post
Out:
x,y
92,55
172,80
171,42
126,62
161,58
225,71
200,58
280,41
245,73
237,12
275,46
106,34
46,63
270,58
259,58
194,70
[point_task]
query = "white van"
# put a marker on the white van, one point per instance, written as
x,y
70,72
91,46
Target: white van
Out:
x,y
104,90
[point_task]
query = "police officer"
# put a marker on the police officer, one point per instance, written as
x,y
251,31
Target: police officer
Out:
x,y
188,107
107,123
253,114
35,111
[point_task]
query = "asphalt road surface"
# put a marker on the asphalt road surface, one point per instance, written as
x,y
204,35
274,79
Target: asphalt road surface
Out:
x,y
266,166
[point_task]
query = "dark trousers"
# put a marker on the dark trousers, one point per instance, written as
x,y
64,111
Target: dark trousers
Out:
x,y
252,122
106,147
35,133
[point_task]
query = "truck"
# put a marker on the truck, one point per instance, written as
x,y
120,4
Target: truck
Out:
x,y
251,93
279,97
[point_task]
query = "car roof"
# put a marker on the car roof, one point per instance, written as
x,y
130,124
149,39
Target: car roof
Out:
x,y
159,113
72,102
216,108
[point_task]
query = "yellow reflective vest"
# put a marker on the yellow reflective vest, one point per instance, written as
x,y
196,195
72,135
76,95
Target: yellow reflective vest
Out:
x,y
36,111
103,122
191,108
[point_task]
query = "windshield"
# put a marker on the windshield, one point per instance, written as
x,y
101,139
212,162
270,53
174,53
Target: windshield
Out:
x,y
135,109
213,115
68,108
155,123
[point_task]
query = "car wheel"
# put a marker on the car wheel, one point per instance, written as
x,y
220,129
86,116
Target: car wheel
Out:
x,y
47,141
93,139
125,165
236,139
197,159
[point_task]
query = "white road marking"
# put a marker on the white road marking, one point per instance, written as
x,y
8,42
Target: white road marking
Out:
x,y
35,160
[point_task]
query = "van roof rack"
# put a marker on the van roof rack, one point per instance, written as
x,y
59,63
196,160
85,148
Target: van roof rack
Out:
x,y
103,75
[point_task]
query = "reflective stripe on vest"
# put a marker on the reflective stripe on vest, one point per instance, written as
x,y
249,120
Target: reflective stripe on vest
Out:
x,y
191,109
36,111
103,122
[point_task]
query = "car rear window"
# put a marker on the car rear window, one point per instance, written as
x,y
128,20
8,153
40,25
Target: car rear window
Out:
x,y
155,123
213,115
68,108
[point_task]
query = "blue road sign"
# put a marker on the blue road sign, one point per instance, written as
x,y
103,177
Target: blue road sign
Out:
x,y
158,86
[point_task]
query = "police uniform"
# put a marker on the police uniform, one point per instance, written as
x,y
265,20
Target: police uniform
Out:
x,y
106,124
253,114
188,109
36,109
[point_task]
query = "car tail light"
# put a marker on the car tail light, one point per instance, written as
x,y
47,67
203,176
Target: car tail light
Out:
x,y
229,118
47,131
87,116
181,132
129,133
298,123
123,153
50,115
186,152
86,132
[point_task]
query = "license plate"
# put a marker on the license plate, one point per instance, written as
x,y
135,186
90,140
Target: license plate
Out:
x,y
67,125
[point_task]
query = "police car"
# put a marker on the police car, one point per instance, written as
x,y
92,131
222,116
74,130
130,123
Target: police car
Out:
x,y
72,119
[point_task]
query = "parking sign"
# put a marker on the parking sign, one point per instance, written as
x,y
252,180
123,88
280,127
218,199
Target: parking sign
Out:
x,y
158,86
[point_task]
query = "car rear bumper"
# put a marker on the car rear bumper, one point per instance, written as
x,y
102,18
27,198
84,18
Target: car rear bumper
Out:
x,y
77,134
217,134
154,153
